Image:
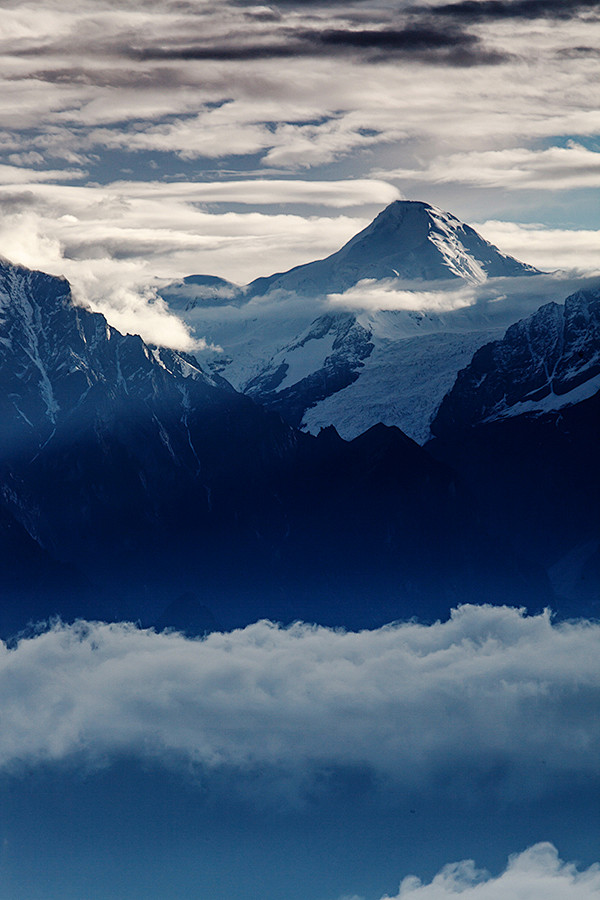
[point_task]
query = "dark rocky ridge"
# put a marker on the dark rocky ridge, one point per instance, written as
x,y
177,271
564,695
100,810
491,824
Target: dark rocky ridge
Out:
x,y
551,352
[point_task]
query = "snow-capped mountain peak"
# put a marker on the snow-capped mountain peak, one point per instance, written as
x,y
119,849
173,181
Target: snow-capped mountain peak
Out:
x,y
55,355
409,241
319,363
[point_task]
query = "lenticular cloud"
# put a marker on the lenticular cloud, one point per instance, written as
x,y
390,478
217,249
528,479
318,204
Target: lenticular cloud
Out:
x,y
536,874
490,690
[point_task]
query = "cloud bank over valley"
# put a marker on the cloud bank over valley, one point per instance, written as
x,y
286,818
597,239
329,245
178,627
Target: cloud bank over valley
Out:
x,y
491,690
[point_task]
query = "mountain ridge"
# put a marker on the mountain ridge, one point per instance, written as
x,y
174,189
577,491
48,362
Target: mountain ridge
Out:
x,y
154,479
521,426
537,366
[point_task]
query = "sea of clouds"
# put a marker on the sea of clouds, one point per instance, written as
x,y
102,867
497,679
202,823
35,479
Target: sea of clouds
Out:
x,y
491,691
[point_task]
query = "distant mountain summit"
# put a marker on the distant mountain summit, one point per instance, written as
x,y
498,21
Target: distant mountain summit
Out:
x,y
409,240
318,364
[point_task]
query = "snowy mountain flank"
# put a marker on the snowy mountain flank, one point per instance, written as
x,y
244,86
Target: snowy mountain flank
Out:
x,y
338,341
56,359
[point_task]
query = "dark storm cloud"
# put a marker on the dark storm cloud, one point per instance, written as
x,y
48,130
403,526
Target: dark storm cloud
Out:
x,y
578,52
424,43
492,10
430,43
467,10
16,202
262,34
220,53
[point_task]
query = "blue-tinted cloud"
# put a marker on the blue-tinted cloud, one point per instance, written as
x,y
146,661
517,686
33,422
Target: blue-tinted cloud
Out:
x,y
489,694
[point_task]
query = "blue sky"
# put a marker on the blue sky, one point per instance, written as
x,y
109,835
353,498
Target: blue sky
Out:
x,y
145,141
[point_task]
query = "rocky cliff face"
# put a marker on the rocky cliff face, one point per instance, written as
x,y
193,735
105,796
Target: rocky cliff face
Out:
x,y
322,361
125,424
113,453
543,363
57,361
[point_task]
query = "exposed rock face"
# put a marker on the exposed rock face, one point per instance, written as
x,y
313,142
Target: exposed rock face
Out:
x,y
542,363
283,386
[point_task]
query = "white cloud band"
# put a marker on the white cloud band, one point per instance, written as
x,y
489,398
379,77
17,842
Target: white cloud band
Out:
x,y
489,688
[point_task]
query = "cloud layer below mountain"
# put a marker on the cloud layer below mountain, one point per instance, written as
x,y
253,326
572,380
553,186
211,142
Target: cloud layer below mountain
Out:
x,y
491,696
